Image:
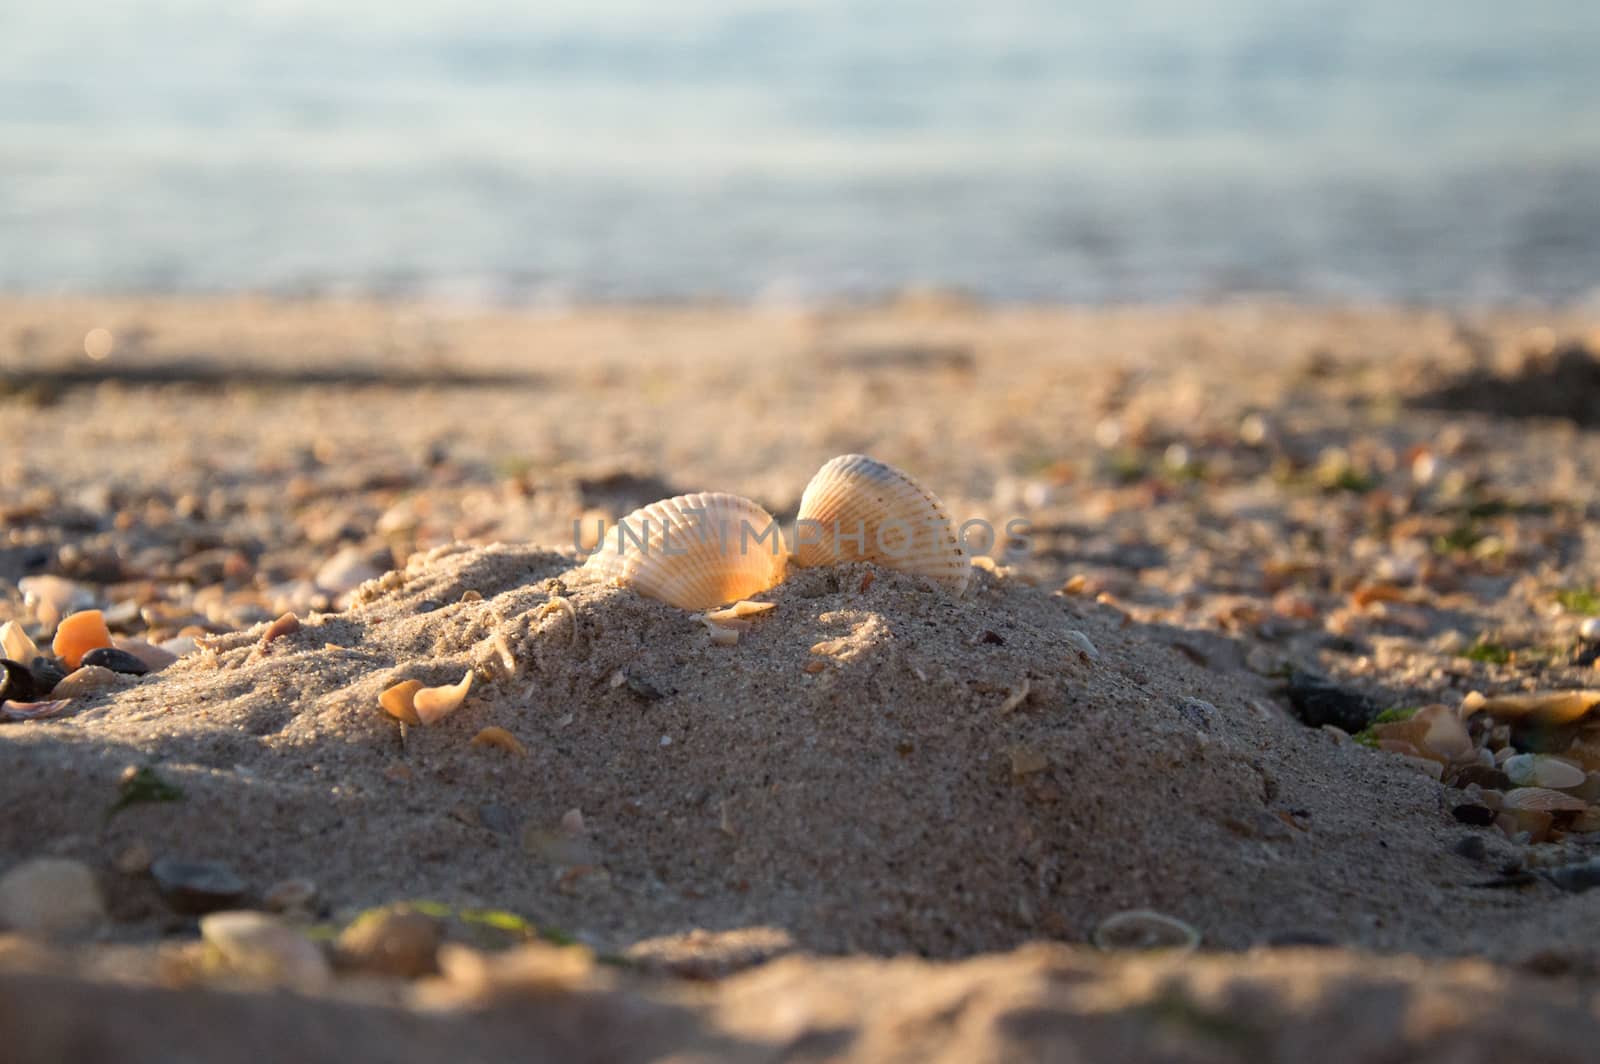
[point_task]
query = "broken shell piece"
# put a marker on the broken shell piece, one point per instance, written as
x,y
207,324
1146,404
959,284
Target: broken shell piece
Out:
x,y
433,704
287,624
1542,798
1018,695
79,634
33,710
694,551
1142,929
500,739
722,636
1545,707
740,610
859,509
15,644
397,701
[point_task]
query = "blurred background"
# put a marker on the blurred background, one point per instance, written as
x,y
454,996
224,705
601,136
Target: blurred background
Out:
x,y
800,150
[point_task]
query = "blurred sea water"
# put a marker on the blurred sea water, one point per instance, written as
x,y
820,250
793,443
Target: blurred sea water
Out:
x,y
1092,151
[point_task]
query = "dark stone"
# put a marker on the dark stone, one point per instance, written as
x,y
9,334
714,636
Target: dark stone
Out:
x,y
1316,700
47,672
116,660
197,887
1300,939
994,638
1480,816
1485,776
1472,847
642,687
1576,877
17,683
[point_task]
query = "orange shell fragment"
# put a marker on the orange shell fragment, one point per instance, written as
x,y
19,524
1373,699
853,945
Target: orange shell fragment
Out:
x,y
79,634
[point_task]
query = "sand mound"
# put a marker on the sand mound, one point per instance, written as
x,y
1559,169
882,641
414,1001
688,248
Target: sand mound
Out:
x,y
902,797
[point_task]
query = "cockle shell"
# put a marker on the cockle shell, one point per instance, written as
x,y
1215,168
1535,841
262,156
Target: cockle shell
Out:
x,y
693,551
860,509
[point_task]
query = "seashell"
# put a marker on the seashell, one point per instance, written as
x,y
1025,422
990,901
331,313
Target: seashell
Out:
x,y
1541,770
433,704
1542,799
286,624
17,682
398,701
739,611
33,710
15,644
501,739
85,681
693,551
79,634
1545,707
859,509
1142,929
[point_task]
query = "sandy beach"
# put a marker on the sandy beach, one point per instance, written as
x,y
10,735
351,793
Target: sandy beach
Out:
x,y
1241,671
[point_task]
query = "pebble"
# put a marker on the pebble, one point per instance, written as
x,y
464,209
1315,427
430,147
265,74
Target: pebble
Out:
x,y
1576,877
116,660
1539,770
196,887
134,859
84,681
1589,630
1083,645
395,942
263,946
50,896
1316,701
291,895
17,683
1472,847
1476,815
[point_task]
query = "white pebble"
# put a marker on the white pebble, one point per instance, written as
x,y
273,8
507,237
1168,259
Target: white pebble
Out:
x,y
666,740
266,947
1589,630
50,896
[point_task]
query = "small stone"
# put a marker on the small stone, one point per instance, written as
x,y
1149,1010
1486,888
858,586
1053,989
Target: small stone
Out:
x,y
264,947
134,859
50,896
1542,770
1589,630
1486,776
1477,815
116,660
1576,877
1316,701
1301,940
1472,847
394,942
291,895
84,681
196,887
1082,645
17,683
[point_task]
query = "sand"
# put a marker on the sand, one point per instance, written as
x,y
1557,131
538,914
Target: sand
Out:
x,y
1101,724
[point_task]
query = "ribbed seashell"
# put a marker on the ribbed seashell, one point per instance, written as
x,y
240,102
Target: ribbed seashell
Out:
x,y
693,551
1542,798
901,524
